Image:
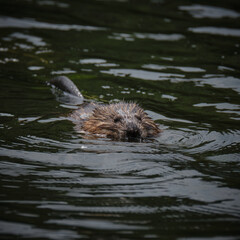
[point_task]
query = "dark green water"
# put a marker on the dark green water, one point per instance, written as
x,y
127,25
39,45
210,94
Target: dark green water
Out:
x,y
180,61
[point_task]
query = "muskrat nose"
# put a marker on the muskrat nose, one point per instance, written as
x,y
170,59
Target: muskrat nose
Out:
x,y
132,131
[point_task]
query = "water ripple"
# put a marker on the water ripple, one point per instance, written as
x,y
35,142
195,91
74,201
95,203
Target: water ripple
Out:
x,y
204,11
26,23
216,31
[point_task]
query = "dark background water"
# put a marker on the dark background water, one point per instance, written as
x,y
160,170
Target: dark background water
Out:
x,y
180,61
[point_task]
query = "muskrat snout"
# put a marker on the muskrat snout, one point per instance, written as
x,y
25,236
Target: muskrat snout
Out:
x,y
132,131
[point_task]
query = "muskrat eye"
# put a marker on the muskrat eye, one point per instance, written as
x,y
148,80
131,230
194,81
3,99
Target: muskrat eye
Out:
x,y
138,118
117,119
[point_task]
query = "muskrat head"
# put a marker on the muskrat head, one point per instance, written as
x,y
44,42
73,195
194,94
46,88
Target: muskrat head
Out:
x,y
121,121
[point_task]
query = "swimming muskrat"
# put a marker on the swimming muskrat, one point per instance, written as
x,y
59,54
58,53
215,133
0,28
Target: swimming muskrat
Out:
x,y
119,121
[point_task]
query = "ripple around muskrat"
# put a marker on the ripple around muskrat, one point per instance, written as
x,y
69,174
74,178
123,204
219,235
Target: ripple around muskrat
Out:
x,y
199,141
97,180
111,168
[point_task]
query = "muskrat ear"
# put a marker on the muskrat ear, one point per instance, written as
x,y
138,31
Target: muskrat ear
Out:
x,y
117,119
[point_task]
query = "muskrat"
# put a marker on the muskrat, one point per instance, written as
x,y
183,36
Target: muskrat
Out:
x,y
118,121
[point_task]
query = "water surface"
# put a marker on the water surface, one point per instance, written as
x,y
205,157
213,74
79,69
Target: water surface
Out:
x,y
180,61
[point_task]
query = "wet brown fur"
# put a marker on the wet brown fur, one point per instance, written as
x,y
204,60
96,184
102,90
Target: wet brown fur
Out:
x,y
119,121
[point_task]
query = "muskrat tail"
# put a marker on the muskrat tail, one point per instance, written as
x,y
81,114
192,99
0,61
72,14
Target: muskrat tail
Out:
x,y
66,85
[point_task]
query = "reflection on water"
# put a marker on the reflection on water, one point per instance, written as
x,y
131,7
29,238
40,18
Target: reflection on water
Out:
x,y
36,41
179,61
203,11
10,22
220,81
217,31
153,36
183,69
141,74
